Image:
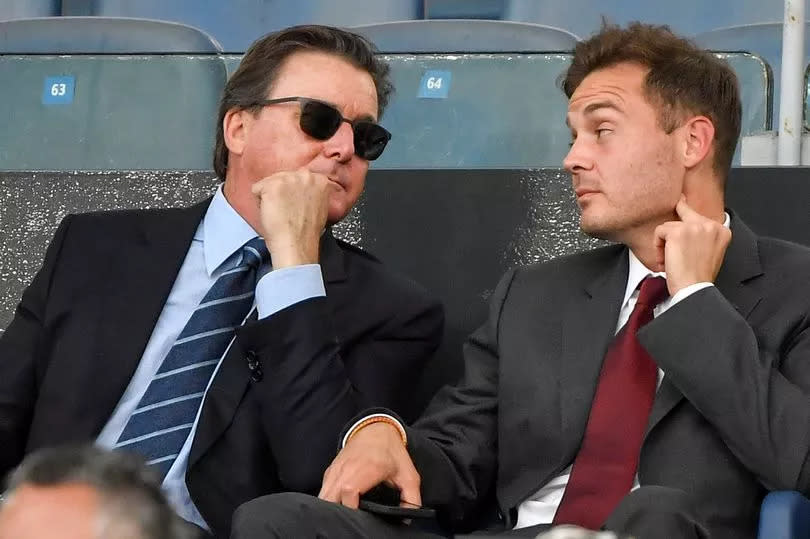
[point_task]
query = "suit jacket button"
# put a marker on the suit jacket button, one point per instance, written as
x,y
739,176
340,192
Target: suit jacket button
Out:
x,y
252,362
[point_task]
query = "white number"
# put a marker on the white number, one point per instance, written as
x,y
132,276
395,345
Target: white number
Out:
x,y
58,89
434,83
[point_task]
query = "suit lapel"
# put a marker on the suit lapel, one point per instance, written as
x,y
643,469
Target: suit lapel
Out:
x,y
133,301
232,379
588,327
741,264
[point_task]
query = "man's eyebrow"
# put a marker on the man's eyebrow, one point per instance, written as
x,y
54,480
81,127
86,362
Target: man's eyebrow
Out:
x,y
599,105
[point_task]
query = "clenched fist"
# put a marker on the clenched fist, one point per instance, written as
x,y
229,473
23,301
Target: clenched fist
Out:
x,y
293,207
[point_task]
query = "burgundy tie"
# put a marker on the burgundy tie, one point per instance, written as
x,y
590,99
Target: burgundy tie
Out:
x,y
605,467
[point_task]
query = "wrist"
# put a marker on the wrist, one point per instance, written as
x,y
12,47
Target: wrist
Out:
x,y
288,255
377,422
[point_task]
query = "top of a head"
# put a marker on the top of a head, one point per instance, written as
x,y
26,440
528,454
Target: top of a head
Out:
x,y
131,496
682,80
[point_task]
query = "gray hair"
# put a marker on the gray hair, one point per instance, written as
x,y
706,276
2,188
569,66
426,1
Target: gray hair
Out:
x,y
132,503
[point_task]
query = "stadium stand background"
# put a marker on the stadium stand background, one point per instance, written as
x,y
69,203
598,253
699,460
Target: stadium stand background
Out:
x,y
471,179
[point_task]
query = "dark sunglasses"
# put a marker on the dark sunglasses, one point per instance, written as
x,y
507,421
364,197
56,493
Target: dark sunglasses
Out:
x,y
321,121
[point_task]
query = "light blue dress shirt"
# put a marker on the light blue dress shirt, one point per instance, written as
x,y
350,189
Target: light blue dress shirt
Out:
x,y
215,249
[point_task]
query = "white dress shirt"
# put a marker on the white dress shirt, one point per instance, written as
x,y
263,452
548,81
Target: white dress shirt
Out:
x,y
215,248
542,506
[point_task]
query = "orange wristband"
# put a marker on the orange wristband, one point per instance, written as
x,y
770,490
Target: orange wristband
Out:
x,y
379,419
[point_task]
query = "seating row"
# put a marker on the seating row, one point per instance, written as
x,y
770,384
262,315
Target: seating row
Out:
x,y
97,94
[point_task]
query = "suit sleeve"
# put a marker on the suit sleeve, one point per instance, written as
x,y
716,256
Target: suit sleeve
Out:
x,y
455,444
753,387
312,384
21,347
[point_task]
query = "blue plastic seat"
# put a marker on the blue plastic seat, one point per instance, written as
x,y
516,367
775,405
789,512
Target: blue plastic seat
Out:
x,y
466,35
95,93
473,93
687,17
468,9
784,515
761,39
18,9
237,23
102,35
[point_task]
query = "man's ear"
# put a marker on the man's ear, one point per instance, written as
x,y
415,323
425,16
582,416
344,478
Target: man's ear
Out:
x,y
698,134
235,127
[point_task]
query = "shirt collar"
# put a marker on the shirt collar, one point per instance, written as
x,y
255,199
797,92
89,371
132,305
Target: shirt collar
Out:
x,y
224,232
638,271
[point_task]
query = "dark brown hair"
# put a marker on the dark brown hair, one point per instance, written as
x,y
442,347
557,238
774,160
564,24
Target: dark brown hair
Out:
x,y
682,79
260,66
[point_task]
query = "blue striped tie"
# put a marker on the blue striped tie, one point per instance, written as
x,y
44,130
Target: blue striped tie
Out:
x,y
159,426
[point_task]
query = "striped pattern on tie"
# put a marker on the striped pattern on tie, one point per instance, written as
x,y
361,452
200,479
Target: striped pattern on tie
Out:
x,y
161,423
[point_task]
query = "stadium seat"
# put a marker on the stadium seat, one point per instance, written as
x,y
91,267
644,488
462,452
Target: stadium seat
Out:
x,y
784,515
445,36
101,35
756,90
462,88
237,23
762,39
469,9
688,17
96,93
18,9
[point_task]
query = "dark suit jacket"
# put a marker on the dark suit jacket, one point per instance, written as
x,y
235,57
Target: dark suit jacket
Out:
x,y
730,420
83,323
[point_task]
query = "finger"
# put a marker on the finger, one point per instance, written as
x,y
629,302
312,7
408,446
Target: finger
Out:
x,y
330,487
329,492
350,498
326,482
409,484
660,244
685,211
660,258
662,233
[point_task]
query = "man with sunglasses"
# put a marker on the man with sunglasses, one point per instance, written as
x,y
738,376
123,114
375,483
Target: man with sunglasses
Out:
x,y
227,343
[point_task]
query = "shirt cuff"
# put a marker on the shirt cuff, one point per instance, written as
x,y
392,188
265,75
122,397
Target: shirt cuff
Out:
x,y
287,286
363,420
684,293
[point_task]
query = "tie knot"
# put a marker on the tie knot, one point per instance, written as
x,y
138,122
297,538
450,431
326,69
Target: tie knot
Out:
x,y
254,253
653,291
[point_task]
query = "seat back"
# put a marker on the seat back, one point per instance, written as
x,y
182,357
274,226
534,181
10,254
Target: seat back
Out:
x,y
761,39
87,93
18,9
502,109
237,23
466,36
687,17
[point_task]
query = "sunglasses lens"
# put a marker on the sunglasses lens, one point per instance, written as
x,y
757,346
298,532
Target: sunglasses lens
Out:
x,y
319,120
370,140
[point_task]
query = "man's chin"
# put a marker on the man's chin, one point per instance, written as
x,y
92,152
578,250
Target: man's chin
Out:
x,y
336,215
601,231
339,208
